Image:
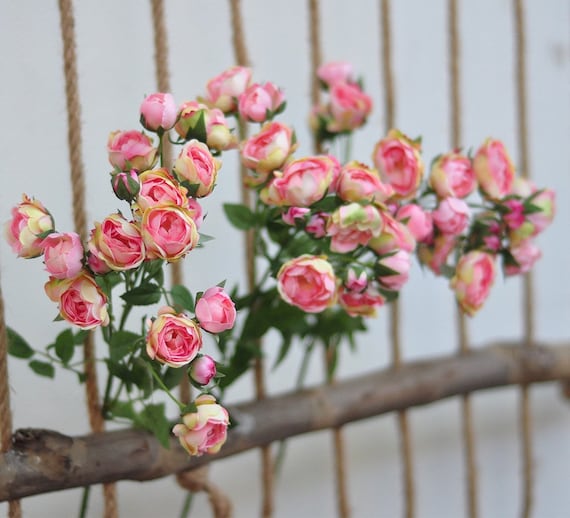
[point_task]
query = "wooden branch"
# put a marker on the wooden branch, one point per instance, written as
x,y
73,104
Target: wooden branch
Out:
x,y
41,461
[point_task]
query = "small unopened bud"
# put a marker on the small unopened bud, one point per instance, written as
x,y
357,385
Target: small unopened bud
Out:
x,y
126,185
203,369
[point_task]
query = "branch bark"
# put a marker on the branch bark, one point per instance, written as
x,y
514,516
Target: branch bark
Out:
x,y
41,461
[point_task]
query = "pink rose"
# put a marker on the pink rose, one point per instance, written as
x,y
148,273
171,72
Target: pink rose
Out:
x,y
418,221
260,102
196,165
81,302
131,150
317,224
359,183
307,282
515,217
400,263
361,303
169,232
452,175
435,255
126,185
394,236
353,225
267,151
118,243
294,214
398,160
474,276
196,212
336,72
349,107
354,282
302,183
203,369
158,112
216,311
451,216
525,253
30,222
546,202
63,255
159,187
173,339
224,89
493,169
205,430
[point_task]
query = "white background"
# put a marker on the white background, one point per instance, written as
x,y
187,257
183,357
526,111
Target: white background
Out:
x,y
116,69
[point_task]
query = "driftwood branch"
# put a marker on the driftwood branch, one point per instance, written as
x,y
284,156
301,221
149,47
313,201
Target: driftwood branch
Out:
x,y
41,461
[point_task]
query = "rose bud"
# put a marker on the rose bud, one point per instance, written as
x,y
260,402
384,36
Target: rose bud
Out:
x,y
494,170
358,183
452,175
63,255
451,216
196,165
349,107
336,72
224,89
418,221
131,150
360,303
216,311
400,263
260,102
353,225
525,253
203,369
474,277
158,112
126,186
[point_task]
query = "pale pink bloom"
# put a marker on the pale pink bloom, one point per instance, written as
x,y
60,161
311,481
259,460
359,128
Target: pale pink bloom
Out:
x,y
336,72
398,160
224,89
158,112
302,182
394,236
435,255
401,263
349,107
203,369
525,253
260,102
30,222
205,430
63,254
169,232
451,216
215,311
131,150
353,225
158,187
307,282
418,221
492,242
354,283
317,224
359,183
173,339
80,300
360,303
267,151
515,217
474,277
196,165
493,169
452,175
546,202
292,214
118,243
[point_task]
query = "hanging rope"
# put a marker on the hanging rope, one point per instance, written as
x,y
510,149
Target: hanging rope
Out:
x,y
74,144
395,332
14,507
343,507
528,288
462,329
267,475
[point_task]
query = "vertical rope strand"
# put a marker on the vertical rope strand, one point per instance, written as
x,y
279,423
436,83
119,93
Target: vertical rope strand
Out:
x,y
528,286
462,328
394,324
14,507
267,475
342,501
77,177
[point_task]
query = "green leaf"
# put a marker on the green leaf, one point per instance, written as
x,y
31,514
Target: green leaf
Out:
x,y
204,238
143,295
153,418
42,368
65,345
123,409
283,351
173,376
80,336
17,346
240,216
123,343
181,296
197,128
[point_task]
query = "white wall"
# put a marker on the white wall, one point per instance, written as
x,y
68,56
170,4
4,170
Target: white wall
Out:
x,y
116,70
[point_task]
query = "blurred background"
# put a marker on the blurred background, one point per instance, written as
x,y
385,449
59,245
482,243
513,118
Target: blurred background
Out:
x,y
116,70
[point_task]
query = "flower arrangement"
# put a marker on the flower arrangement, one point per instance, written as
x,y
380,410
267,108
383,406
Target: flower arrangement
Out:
x,y
335,236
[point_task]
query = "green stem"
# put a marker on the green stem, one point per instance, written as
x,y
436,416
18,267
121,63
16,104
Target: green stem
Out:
x,y
84,502
347,148
124,316
187,505
157,378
